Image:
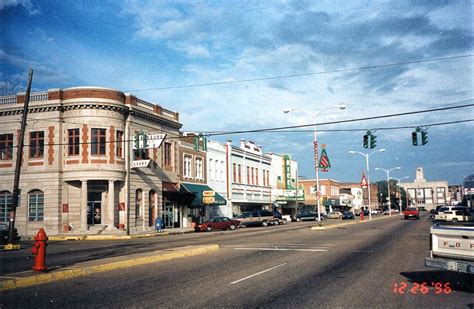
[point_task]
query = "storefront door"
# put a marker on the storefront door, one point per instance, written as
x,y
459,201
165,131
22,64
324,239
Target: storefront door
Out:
x,y
168,217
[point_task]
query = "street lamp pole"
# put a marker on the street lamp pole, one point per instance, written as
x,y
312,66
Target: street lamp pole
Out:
x,y
367,156
316,149
400,191
388,185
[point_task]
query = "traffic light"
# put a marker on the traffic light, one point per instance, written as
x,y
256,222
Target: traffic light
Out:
x,y
414,138
145,140
424,137
366,141
136,141
373,141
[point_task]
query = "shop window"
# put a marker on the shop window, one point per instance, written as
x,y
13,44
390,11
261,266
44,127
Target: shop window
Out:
x,y
36,144
6,146
98,142
73,142
5,205
36,205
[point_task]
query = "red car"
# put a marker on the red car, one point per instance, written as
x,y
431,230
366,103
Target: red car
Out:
x,y
411,212
219,223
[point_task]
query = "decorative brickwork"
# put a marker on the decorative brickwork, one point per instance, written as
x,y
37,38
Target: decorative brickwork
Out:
x,y
50,145
35,163
69,94
85,145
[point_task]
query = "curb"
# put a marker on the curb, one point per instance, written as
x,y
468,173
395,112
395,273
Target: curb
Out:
x,y
9,283
107,237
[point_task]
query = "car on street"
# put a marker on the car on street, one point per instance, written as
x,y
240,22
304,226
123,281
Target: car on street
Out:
x,y
4,234
306,215
440,217
279,218
256,218
218,223
347,215
411,212
456,216
335,215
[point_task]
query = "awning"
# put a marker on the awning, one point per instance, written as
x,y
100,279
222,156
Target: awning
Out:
x,y
170,192
204,195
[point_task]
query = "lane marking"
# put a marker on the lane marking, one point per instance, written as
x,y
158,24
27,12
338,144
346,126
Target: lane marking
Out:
x,y
283,249
259,273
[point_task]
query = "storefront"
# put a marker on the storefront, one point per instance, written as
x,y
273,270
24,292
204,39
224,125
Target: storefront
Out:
x,y
206,204
175,204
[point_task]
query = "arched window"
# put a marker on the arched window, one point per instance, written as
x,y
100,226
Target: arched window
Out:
x,y
5,205
35,205
138,203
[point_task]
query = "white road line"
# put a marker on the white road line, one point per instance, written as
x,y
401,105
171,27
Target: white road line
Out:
x,y
283,249
259,273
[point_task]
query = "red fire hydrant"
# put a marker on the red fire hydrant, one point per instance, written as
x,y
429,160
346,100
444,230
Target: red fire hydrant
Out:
x,y
39,250
362,216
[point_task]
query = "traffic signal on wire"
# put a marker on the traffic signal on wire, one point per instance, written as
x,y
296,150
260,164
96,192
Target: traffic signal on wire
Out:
x,y
414,138
366,141
424,137
373,141
136,140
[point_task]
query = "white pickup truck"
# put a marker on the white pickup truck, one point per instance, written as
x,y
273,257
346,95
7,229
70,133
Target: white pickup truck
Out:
x,y
452,247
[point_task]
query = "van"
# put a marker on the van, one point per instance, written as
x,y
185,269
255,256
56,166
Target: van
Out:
x,y
259,217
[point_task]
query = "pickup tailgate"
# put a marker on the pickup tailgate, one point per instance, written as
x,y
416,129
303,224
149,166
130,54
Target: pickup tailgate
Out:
x,y
455,242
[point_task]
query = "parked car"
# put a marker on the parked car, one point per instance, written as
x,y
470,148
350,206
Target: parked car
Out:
x,y
279,218
306,215
259,217
218,223
440,217
335,215
456,216
347,215
4,234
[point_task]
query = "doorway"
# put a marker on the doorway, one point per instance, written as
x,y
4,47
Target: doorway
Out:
x,y
94,208
168,217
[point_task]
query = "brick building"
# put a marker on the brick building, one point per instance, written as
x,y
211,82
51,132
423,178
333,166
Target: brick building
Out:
x,y
74,174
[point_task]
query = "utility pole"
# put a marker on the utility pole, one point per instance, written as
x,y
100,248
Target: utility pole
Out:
x,y
19,159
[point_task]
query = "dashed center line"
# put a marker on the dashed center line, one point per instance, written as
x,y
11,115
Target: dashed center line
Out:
x,y
283,249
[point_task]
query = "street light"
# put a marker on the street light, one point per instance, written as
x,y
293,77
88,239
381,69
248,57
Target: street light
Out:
x,y
388,184
367,155
315,145
400,191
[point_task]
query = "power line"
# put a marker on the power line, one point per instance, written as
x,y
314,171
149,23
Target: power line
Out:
x,y
342,121
301,74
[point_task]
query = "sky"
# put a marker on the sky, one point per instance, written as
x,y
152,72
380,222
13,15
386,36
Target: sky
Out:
x,y
237,65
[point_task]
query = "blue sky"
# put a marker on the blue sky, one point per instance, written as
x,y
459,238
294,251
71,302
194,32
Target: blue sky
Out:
x,y
149,47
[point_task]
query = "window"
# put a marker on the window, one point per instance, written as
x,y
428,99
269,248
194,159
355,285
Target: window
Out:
x,y
6,146
210,169
234,172
256,176
222,170
73,142
253,177
36,205
248,175
138,203
216,170
5,205
428,196
119,144
239,170
199,166
440,195
98,142
36,144
167,154
187,167
268,178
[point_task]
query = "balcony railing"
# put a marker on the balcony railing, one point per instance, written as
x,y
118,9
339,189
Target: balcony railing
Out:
x,y
34,97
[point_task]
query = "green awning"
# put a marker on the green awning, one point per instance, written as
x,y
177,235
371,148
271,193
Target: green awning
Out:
x,y
204,195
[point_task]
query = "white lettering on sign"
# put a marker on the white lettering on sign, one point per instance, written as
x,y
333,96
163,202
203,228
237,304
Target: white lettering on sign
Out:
x,y
155,140
208,193
140,163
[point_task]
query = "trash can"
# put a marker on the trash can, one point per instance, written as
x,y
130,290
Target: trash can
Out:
x,y
159,226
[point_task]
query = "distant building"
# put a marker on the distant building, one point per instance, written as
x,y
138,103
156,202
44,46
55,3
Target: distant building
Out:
x,y
426,193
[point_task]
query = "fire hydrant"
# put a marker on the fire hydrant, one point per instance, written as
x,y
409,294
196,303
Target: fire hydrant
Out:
x,y
39,250
362,216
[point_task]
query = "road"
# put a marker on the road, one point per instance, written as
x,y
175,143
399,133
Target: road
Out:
x,y
352,266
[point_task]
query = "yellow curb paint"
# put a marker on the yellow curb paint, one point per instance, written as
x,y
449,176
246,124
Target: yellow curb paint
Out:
x,y
20,282
9,247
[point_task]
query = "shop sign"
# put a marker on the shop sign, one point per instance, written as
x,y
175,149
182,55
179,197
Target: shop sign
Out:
x,y
208,193
208,199
140,163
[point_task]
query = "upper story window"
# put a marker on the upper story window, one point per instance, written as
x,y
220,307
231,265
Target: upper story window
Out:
x,y
6,146
119,144
5,205
211,174
36,205
239,170
222,170
167,158
98,142
187,167
248,175
36,144
73,142
256,176
199,169
216,170
234,172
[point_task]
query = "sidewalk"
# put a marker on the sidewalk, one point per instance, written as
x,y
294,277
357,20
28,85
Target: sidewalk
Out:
x,y
29,278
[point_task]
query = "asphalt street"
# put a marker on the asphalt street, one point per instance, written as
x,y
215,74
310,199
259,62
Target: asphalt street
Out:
x,y
358,265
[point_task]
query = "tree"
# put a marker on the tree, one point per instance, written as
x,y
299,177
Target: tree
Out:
x,y
394,190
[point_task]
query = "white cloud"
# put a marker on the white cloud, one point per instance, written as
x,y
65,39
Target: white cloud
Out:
x,y
25,3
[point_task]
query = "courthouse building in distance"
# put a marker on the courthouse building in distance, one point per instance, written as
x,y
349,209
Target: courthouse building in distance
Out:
x,y
74,172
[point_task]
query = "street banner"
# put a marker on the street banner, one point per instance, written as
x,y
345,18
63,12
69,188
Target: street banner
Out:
x,y
324,162
363,182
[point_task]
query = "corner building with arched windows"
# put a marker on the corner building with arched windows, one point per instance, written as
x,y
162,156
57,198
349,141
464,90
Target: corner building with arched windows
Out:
x,y
74,170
